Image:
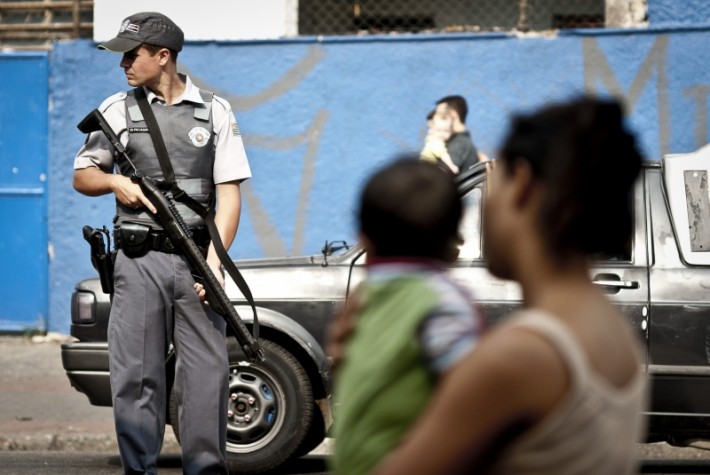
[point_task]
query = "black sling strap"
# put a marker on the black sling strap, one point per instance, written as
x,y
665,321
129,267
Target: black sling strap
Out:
x,y
179,195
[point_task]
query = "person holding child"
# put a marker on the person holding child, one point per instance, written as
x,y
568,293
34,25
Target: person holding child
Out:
x,y
558,387
440,129
410,323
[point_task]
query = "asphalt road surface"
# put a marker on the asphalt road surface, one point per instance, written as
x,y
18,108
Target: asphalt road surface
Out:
x,y
87,463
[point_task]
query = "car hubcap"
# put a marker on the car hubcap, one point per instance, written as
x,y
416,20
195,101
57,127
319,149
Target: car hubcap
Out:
x,y
255,408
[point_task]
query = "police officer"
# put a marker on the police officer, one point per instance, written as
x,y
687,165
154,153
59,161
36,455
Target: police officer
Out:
x,y
155,302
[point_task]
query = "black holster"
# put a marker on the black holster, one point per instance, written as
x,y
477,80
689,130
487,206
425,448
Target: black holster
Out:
x,y
101,256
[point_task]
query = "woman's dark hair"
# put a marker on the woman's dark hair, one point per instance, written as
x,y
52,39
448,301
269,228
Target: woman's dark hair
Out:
x,y
587,163
411,208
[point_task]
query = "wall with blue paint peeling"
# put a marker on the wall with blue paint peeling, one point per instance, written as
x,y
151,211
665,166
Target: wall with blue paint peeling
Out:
x,y
319,116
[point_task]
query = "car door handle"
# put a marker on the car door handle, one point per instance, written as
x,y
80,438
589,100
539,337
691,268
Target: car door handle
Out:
x,y
619,284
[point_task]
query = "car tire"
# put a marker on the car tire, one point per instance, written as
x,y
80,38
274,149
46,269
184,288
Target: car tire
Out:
x,y
271,409
315,436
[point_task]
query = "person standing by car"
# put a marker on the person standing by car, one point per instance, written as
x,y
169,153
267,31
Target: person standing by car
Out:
x,y
459,145
558,387
410,323
155,302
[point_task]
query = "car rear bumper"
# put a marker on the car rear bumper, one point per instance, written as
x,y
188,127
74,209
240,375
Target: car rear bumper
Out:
x,y
86,365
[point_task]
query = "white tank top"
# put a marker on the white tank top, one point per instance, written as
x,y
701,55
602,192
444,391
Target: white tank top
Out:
x,y
593,430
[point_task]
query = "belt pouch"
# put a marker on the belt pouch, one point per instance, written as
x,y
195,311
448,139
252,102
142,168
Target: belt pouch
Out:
x,y
134,239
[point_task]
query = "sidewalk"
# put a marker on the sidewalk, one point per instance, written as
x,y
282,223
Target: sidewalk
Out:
x,y
39,410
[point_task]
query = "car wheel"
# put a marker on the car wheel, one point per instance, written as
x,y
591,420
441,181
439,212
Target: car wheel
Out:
x,y
270,409
315,435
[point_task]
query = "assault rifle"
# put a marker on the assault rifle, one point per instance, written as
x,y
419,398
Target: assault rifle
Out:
x,y
179,233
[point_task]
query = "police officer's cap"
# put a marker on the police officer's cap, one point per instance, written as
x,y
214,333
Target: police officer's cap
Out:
x,y
146,27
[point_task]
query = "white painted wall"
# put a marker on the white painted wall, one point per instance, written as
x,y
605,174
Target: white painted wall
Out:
x,y
207,19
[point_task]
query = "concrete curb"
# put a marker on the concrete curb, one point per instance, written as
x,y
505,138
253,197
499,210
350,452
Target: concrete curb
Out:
x,y
101,443
73,443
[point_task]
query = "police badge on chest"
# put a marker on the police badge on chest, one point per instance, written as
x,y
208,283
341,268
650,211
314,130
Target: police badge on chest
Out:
x,y
199,136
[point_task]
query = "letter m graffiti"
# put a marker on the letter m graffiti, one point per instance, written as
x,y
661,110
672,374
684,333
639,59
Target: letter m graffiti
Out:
x,y
598,72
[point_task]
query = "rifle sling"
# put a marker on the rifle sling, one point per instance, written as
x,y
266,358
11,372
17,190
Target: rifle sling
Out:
x,y
179,195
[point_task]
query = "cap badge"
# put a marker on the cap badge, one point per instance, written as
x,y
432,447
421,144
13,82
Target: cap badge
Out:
x,y
199,136
124,25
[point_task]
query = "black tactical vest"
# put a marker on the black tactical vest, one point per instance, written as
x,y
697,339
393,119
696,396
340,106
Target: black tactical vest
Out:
x,y
189,138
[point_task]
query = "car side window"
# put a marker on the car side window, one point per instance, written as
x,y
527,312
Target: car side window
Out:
x,y
471,231
470,227
625,255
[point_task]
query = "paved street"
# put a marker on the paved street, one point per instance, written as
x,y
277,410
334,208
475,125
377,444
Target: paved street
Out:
x,y
46,426
90,463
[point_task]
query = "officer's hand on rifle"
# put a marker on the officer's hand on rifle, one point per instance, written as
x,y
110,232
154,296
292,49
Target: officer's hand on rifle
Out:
x,y
201,292
130,193
218,273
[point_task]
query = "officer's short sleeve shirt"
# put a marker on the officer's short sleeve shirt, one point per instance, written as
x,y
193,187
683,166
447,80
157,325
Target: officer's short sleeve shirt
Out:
x,y
231,163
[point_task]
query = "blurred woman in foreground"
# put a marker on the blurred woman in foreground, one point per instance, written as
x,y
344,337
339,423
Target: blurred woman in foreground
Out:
x,y
556,388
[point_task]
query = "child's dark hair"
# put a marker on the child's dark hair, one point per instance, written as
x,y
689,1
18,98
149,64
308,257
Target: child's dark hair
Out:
x,y
411,208
587,163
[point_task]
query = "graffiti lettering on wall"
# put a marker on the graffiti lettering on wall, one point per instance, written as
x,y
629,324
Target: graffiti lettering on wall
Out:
x,y
597,70
698,95
267,235
271,243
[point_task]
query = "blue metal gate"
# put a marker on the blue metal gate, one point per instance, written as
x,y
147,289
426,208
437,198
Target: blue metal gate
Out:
x,y
23,191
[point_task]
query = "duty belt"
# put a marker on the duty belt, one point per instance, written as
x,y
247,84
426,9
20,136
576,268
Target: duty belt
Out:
x,y
158,240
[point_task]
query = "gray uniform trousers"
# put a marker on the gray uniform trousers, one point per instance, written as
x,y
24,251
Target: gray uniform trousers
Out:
x,y
155,303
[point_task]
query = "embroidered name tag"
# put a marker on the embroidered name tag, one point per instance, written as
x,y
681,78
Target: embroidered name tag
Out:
x,y
139,130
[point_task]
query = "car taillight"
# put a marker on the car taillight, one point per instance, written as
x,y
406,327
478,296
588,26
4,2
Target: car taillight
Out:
x,y
83,307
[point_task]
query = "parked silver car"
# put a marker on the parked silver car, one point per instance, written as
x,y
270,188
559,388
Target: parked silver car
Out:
x,y
280,409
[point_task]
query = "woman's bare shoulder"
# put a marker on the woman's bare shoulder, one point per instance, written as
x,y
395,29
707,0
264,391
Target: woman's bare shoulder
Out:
x,y
515,362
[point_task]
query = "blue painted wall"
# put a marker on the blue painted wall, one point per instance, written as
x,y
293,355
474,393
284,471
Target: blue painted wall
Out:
x,y
678,12
318,116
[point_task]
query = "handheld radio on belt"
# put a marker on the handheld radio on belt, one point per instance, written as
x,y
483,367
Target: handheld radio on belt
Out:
x,y
179,233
